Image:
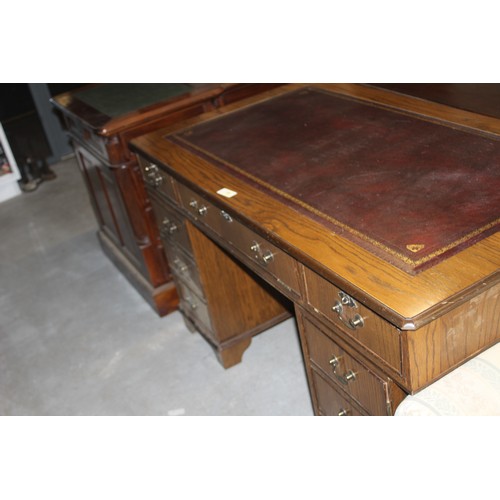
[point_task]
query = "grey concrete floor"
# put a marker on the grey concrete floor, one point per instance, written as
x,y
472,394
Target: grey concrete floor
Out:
x,y
77,339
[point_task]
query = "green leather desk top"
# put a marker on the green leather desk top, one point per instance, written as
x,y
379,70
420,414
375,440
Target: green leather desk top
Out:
x,y
117,99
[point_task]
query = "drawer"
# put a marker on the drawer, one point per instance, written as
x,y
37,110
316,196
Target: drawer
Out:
x,y
350,375
194,307
202,210
357,321
267,256
184,267
170,224
87,136
280,266
331,402
157,179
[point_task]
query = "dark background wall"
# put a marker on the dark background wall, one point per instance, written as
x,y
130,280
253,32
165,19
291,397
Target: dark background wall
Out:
x,y
16,98
28,120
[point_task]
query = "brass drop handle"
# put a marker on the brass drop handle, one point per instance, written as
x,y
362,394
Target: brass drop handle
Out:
x,y
157,181
334,362
164,226
346,378
168,227
352,323
180,266
343,379
356,322
267,256
337,307
202,210
153,178
226,216
346,301
192,304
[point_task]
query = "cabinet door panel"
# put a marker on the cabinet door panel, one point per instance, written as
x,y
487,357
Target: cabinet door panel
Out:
x,y
108,204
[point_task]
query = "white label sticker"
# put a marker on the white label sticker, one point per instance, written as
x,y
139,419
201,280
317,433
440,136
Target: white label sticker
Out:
x,y
227,193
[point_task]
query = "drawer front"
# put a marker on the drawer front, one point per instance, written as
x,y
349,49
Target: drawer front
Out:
x,y
200,209
171,226
331,402
276,263
194,307
351,376
87,136
157,179
183,266
357,321
268,257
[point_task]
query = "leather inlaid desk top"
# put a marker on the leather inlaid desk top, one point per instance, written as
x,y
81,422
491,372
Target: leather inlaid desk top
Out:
x,y
411,191
336,183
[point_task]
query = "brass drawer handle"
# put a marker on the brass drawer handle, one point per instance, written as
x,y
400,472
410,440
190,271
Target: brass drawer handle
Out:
x,y
191,303
353,323
180,266
172,228
168,227
226,216
343,379
152,175
356,322
348,377
337,308
201,210
157,181
334,362
265,255
151,168
347,302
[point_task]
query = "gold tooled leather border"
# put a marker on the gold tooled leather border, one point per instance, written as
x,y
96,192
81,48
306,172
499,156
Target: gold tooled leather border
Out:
x,y
403,258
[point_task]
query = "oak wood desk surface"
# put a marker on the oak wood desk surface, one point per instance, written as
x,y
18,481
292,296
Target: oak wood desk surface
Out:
x,y
408,301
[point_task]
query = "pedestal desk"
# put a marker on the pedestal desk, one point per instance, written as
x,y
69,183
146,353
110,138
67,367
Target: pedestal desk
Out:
x,y
101,119
371,218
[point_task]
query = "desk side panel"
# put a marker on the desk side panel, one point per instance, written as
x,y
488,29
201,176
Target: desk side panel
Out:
x,y
453,338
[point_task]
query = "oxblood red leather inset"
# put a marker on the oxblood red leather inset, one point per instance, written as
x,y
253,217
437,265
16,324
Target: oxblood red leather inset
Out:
x,y
412,191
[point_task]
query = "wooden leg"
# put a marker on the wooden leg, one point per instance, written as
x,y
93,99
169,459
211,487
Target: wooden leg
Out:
x,y
232,355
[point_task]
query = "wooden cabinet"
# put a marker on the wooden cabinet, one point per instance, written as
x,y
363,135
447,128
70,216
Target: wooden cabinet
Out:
x,y
101,119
